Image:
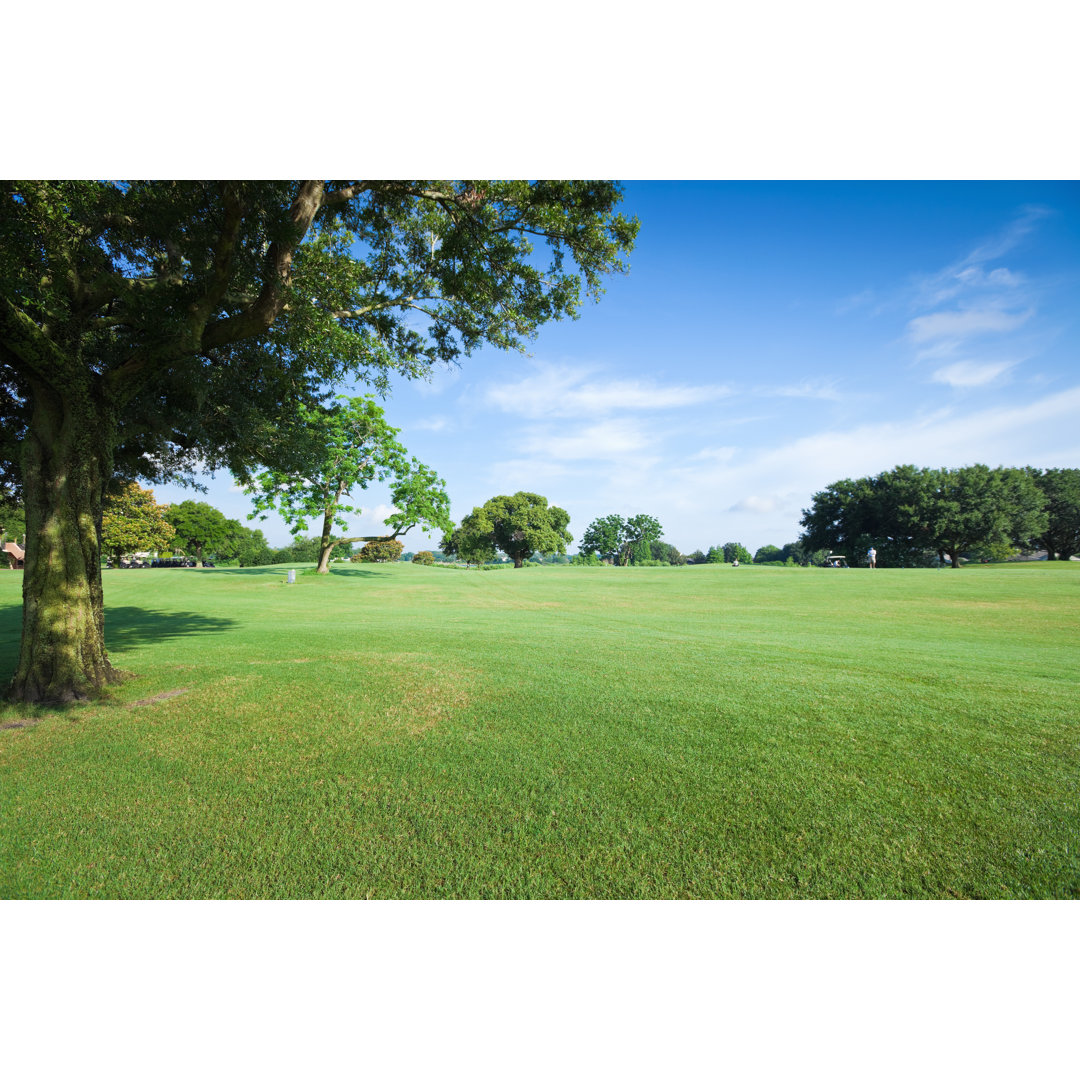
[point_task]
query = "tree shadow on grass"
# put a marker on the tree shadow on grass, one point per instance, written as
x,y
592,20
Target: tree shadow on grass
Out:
x,y
279,570
127,628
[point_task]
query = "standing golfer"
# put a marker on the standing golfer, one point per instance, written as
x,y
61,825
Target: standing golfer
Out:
x,y
871,558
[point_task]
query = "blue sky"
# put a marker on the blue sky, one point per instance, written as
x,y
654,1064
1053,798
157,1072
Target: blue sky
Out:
x,y
769,339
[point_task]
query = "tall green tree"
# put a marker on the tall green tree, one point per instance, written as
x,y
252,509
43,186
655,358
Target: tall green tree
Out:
x,y
201,529
622,540
638,534
518,524
666,553
842,518
132,521
328,453
604,538
1061,489
151,328
977,506
249,546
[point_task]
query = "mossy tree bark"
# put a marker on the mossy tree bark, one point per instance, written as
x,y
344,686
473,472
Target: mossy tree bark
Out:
x,y
66,460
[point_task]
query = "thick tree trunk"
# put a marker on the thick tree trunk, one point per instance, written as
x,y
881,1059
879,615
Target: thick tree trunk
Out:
x,y
66,456
324,559
954,556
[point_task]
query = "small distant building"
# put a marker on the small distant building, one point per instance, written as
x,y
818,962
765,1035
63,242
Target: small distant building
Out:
x,y
16,555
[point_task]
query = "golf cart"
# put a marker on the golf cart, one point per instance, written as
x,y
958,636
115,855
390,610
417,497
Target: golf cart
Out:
x,y
839,562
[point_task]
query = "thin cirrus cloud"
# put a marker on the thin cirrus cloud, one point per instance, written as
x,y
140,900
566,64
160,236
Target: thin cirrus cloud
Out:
x,y
562,392
817,389
608,440
970,373
970,273
960,325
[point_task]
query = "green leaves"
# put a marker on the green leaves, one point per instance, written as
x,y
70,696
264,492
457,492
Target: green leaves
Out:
x,y
200,528
908,512
326,454
620,540
518,524
131,521
1061,489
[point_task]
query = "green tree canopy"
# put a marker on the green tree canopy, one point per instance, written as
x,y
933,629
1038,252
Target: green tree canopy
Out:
x,y
1061,489
326,454
735,552
132,521
666,553
907,512
604,538
621,540
768,553
12,520
201,529
248,546
977,506
518,524
150,328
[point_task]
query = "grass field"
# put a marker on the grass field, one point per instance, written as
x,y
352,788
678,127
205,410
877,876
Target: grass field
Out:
x,y
405,732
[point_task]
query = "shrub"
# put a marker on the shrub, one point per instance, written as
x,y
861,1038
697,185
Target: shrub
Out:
x,y
424,558
380,551
586,560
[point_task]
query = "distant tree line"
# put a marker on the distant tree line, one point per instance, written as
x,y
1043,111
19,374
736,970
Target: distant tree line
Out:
x,y
913,516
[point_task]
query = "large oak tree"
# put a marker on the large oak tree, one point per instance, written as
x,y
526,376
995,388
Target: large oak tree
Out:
x,y
518,524
152,328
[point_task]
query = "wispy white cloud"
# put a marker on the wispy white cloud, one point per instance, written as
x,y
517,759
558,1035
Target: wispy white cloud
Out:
x,y
853,303
608,440
756,504
819,389
971,373
433,423
960,325
971,272
717,453
570,392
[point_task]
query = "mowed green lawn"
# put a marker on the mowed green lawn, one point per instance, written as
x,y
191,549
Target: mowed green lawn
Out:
x,y
410,732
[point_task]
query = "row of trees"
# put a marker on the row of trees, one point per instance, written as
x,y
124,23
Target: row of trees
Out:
x,y
133,522
348,446
910,515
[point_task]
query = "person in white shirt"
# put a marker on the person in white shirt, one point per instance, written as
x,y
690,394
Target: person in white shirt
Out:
x,y
871,557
